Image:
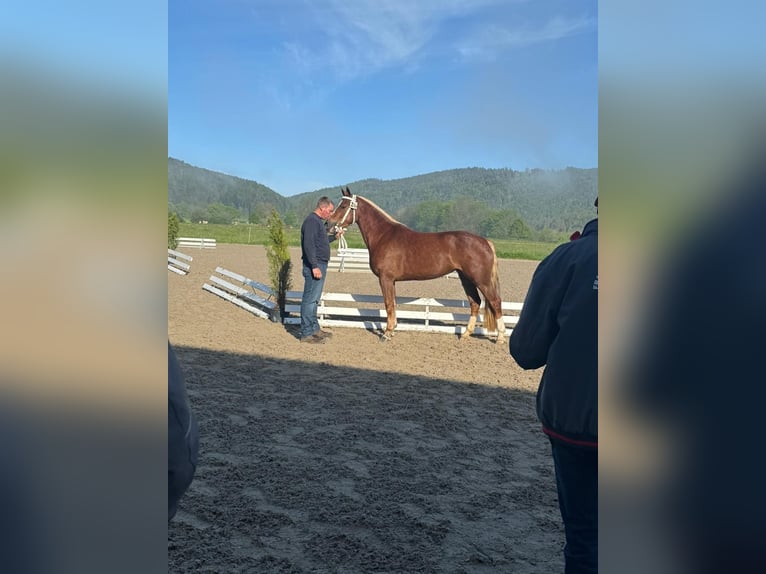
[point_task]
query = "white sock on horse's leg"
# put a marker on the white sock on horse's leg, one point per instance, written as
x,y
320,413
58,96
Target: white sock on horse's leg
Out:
x,y
469,328
500,330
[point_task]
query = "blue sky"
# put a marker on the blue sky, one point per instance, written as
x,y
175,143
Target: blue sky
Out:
x,y
300,95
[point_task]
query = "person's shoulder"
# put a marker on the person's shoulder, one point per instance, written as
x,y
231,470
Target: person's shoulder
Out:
x,y
586,242
582,240
591,228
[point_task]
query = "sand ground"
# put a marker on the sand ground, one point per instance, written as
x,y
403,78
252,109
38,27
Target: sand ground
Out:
x,y
422,454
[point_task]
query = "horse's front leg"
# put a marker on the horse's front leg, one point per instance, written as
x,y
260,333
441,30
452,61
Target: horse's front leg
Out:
x,y
387,286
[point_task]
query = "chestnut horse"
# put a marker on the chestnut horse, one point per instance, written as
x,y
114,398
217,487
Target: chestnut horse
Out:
x,y
398,253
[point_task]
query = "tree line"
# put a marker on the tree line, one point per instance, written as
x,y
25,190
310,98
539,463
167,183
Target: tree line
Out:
x,y
462,214
502,203
466,214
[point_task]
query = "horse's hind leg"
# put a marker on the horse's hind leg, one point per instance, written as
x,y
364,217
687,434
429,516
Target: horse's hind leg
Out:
x,y
494,305
469,329
473,298
500,330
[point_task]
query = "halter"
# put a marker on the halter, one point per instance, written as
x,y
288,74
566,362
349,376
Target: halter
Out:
x,y
351,208
342,244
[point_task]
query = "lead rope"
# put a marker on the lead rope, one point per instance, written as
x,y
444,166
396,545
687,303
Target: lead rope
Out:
x,y
342,243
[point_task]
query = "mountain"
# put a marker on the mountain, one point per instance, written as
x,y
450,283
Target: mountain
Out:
x,y
191,188
560,200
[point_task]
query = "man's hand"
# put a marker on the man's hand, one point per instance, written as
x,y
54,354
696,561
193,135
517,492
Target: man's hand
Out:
x,y
316,272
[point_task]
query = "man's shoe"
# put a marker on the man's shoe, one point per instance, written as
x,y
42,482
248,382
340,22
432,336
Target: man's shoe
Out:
x,y
315,338
323,334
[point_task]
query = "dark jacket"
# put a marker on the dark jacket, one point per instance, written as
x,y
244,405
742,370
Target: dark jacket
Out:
x,y
315,243
183,438
558,328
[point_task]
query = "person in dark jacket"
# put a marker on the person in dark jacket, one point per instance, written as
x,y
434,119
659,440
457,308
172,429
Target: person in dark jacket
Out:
x,y
183,436
315,247
696,374
558,329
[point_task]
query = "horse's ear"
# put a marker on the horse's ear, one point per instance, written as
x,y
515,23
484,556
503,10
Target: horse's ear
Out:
x,y
346,192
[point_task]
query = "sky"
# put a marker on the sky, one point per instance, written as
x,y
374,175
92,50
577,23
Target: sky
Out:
x,y
301,95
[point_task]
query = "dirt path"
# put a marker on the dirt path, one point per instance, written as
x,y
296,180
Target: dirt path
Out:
x,y
419,455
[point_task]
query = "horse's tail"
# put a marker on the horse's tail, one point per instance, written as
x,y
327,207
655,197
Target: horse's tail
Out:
x,y
492,299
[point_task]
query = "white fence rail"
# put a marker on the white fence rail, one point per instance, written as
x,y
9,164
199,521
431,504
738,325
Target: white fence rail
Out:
x,y
245,293
425,314
198,242
350,260
412,313
175,264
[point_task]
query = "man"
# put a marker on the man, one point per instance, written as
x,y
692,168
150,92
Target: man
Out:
x,y
315,247
558,328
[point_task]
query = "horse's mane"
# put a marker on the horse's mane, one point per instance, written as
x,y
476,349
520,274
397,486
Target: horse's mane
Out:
x,y
379,210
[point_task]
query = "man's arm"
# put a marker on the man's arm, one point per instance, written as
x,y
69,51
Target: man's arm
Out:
x,y
310,231
337,232
538,323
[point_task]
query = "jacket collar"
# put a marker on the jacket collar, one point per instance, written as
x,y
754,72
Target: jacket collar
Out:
x,y
590,227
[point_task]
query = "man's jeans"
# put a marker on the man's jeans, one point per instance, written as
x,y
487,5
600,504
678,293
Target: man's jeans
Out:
x,y
577,484
312,291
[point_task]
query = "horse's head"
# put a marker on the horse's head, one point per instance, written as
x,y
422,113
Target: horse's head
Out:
x,y
344,213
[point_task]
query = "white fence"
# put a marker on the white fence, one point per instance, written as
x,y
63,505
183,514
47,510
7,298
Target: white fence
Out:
x,y
176,265
199,242
350,260
243,292
412,313
357,311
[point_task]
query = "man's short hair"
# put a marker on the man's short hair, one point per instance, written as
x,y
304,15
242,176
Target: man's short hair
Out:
x,y
324,201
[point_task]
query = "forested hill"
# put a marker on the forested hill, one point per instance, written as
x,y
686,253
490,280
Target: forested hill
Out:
x,y
193,188
559,200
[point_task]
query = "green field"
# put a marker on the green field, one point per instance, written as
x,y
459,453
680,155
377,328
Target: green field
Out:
x,y
259,235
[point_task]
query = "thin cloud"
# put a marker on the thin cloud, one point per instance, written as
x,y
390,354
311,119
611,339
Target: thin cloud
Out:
x,y
349,40
363,37
366,37
494,39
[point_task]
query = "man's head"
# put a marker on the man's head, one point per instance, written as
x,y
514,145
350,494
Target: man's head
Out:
x,y
324,207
